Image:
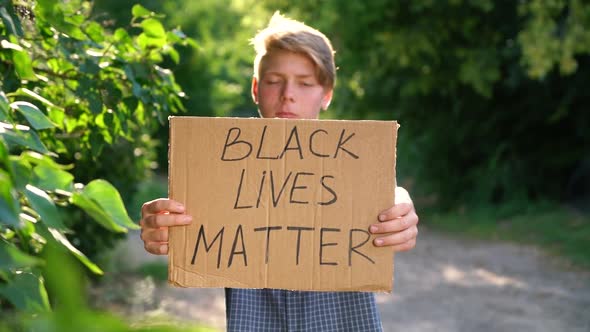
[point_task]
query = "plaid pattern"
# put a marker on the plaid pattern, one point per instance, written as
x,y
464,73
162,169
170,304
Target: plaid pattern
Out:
x,y
282,310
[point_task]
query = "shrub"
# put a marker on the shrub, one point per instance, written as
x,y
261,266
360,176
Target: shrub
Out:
x,y
78,105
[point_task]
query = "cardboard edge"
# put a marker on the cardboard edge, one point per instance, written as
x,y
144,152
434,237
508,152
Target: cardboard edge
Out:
x,y
171,280
396,127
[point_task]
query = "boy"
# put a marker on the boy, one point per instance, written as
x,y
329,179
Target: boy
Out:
x,y
294,76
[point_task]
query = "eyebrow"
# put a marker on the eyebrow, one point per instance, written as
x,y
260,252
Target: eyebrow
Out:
x,y
281,74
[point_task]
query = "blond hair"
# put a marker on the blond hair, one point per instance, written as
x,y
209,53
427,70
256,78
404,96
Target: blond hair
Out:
x,y
283,33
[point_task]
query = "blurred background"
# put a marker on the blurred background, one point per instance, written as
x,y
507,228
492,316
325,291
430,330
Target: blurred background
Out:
x,y
494,143
490,94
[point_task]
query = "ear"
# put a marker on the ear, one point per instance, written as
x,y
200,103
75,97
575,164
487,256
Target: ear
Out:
x,y
327,99
254,90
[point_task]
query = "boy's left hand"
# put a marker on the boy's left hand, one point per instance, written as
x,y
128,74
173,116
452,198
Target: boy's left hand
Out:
x,y
399,223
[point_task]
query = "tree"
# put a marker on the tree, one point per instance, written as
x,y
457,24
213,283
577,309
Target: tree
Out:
x,y
216,74
476,85
488,93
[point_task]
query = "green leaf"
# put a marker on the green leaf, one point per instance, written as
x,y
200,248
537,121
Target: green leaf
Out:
x,y
66,284
139,11
3,154
12,257
63,240
50,178
4,107
26,228
11,21
94,102
23,65
153,28
9,205
109,199
173,55
97,142
35,158
44,206
156,57
21,171
145,42
96,32
90,66
121,35
56,116
52,12
33,114
96,212
26,292
29,93
21,136
60,65
173,37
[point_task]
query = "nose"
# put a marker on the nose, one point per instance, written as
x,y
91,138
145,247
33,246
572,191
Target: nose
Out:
x,y
288,94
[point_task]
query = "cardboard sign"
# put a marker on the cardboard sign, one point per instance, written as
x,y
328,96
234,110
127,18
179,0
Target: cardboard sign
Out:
x,y
279,203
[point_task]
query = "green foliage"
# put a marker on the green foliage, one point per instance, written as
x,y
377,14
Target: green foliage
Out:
x,y
216,75
224,61
488,93
485,114
554,34
70,312
148,190
78,106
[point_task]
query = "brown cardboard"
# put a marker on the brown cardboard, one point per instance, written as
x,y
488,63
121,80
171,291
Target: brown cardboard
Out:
x,y
337,177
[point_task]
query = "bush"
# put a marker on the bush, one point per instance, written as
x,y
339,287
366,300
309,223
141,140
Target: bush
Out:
x,y
78,106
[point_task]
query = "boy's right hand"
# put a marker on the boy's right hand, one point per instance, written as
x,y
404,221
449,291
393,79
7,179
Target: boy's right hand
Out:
x,y
156,217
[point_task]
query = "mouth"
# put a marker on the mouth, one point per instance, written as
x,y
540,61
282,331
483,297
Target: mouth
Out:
x,y
286,115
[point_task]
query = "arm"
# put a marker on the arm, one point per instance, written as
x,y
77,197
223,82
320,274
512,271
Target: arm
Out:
x,y
156,217
398,224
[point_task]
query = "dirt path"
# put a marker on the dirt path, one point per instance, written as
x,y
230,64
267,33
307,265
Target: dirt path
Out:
x,y
444,284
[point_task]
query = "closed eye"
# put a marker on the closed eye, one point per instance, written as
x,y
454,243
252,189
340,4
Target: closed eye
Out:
x,y
272,81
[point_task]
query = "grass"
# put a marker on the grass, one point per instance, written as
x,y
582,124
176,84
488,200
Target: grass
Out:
x,y
556,229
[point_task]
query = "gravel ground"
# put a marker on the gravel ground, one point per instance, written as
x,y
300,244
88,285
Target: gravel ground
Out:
x,y
445,284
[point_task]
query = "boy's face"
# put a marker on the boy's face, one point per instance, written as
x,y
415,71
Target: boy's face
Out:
x,y
288,88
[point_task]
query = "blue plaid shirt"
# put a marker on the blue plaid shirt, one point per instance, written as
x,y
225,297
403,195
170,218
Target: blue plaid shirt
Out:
x,y
282,310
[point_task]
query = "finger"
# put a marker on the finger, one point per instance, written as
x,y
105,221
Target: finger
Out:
x,y
397,238
156,248
161,205
395,225
165,220
154,235
395,211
